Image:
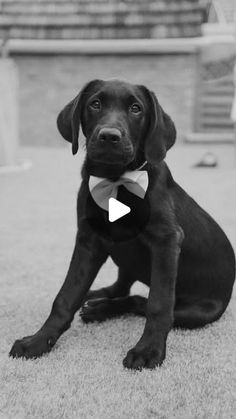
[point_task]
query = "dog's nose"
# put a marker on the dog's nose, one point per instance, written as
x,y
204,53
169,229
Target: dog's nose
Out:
x,y
109,134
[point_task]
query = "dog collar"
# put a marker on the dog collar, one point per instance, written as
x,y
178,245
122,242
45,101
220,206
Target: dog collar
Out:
x,y
142,165
102,189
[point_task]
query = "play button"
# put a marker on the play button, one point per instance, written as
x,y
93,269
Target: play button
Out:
x,y
116,209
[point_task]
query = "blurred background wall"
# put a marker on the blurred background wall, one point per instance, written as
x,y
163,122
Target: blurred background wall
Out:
x,y
58,45
72,19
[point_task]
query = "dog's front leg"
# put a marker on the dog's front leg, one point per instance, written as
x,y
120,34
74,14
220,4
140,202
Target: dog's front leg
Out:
x,y
87,258
150,349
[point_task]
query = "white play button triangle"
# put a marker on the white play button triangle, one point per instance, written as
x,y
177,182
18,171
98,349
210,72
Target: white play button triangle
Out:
x,y
116,209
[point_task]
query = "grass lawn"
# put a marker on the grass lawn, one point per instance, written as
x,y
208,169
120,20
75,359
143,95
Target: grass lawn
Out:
x,y
83,376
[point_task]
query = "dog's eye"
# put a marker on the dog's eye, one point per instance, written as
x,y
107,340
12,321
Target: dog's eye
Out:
x,y
135,108
95,104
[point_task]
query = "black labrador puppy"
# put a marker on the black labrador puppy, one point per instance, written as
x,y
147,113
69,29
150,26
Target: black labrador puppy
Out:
x,y
167,241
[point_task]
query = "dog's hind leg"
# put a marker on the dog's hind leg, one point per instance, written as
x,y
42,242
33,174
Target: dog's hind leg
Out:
x,y
197,314
186,316
106,308
120,288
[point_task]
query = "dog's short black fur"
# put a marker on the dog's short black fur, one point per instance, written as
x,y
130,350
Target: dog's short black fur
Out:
x,y
167,241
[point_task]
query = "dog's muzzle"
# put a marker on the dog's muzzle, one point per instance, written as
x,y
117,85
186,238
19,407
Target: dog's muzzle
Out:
x,y
110,145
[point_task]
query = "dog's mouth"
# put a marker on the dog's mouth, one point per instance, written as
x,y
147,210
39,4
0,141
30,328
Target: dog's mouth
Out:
x,y
106,168
109,157
108,165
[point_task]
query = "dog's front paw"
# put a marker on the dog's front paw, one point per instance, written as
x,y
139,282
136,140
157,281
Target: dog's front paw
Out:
x,y
32,346
145,357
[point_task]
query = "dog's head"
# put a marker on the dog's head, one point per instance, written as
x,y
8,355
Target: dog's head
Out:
x,y
123,124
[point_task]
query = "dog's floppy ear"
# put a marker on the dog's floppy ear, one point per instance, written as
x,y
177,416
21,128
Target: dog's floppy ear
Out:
x,y
69,119
161,134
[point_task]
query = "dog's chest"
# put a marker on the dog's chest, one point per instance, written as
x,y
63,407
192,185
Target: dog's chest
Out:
x,y
126,227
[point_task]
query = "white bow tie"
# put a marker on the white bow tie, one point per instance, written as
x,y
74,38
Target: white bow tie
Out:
x,y
101,189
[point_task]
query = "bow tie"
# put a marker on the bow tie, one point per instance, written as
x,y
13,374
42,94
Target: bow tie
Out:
x,y
102,189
